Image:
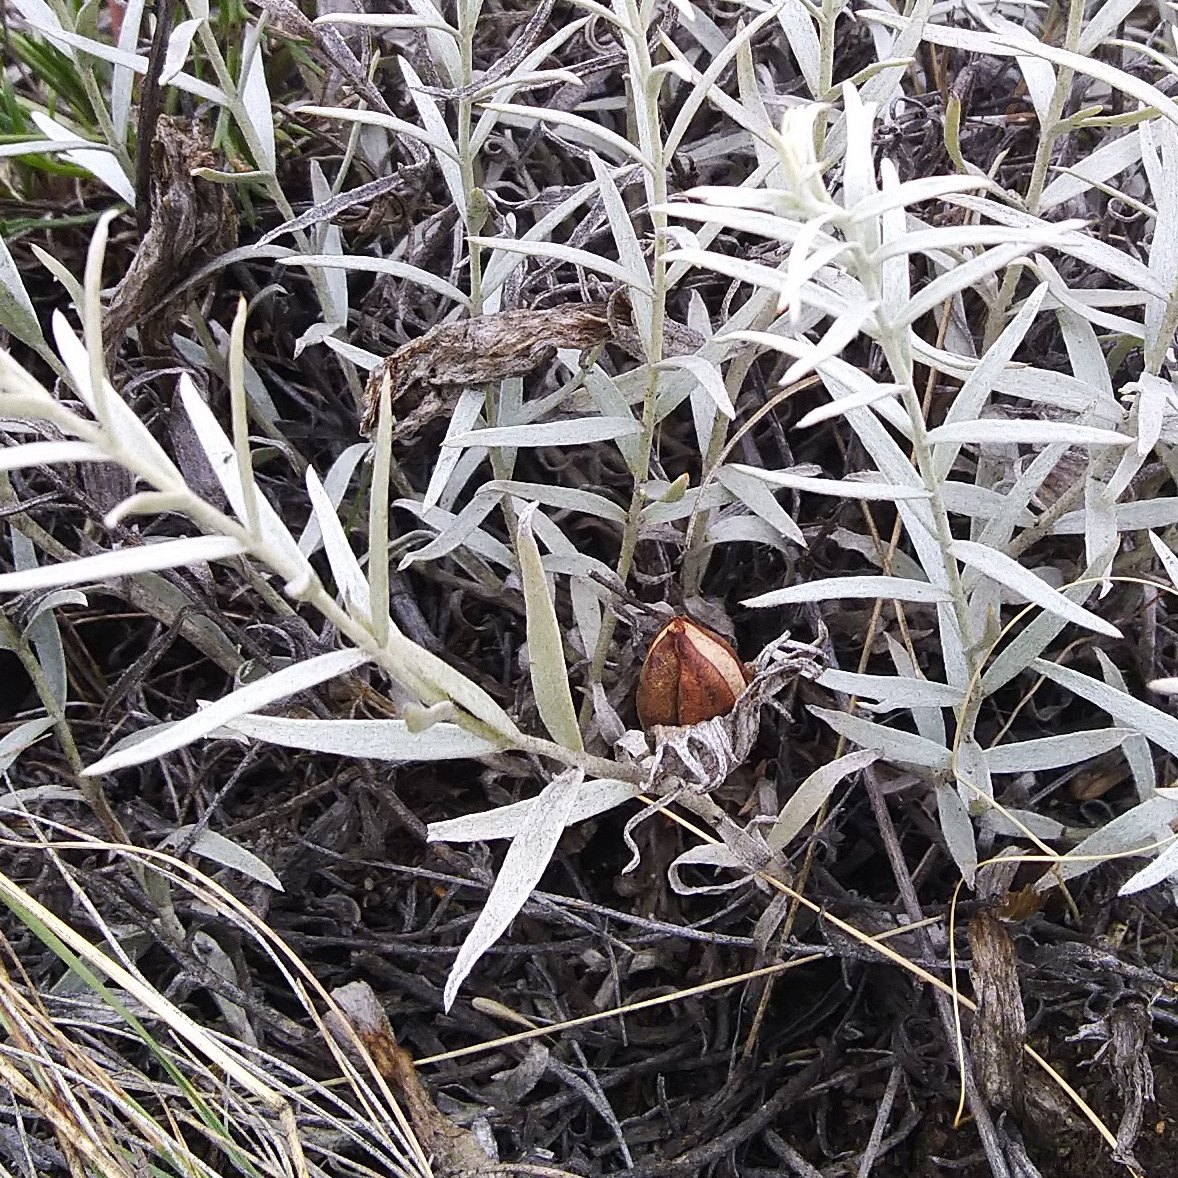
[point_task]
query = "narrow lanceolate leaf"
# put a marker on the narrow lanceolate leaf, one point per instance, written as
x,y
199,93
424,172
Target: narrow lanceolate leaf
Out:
x,y
836,588
546,665
892,744
222,850
1007,571
1140,831
812,794
46,453
125,562
505,822
1151,722
1031,433
525,862
576,432
957,828
376,740
345,568
17,313
1164,866
166,738
1055,752
893,691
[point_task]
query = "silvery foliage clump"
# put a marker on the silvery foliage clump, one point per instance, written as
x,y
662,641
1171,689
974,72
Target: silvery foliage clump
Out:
x,y
841,234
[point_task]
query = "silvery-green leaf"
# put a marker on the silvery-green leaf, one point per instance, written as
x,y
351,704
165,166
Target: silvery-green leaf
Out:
x,y
546,665
23,736
281,684
349,577
1095,167
798,25
1032,639
362,264
1152,398
222,850
893,691
1164,866
377,740
859,400
179,44
17,314
741,269
418,666
111,410
1137,515
980,503
1032,433
504,822
1151,722
334,305
471,403
1136,750
972,772
957,828
967,274
971,398
434,122
1021,824
124,562
1007,571
100,163
222,458
460,529
849,488
758,498
47,453
1101,24
566,498
41,17
492,550
1136,832
255,100
574,432
929,720
529,115
1083,246
843,588
526,861
568,254
812,794
711,857
335,484
892,744
1055,752
708,376
630,255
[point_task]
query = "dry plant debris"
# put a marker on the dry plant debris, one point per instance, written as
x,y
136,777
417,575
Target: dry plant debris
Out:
x,y
426,374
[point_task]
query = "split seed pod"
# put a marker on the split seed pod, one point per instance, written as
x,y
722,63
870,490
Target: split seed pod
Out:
x,y
690,675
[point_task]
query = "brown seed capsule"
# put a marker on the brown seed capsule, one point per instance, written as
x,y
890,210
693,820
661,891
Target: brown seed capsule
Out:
x,y
690,675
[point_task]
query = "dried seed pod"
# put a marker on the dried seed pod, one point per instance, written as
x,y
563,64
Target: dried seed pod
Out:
x,y
690,675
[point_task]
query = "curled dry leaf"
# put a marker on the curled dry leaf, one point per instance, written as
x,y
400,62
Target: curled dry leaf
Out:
x,y
190,222
428,372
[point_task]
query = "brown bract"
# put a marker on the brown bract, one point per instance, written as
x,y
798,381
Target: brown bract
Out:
x,y
690,675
